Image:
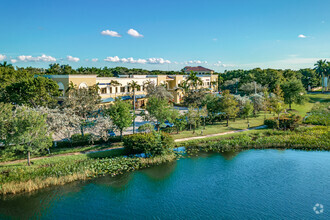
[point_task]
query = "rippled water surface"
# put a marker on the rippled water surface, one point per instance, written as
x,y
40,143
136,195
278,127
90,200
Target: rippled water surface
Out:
x,y
255,184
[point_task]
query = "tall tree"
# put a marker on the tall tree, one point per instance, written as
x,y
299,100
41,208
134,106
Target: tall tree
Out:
x,y
115,83
293,92
28,132
83,102
321,68
134,86
247,110
33,92
5,64
120,115
193,80
158,91
228,105
5,120
158,110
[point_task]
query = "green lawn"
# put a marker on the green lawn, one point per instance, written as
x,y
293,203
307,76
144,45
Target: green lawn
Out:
x,y
239,124
311,99
54,160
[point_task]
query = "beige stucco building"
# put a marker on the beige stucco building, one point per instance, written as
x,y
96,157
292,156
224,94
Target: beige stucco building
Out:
x,y
108,91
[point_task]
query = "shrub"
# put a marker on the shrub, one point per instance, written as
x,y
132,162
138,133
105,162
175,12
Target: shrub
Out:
x,y
79,142
320,115
155,143
271,123
286,122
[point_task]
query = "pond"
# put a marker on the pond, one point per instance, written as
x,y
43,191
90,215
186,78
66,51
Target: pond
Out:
x,y
254,184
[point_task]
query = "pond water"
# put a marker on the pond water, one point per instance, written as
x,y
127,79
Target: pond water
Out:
x,y
254,184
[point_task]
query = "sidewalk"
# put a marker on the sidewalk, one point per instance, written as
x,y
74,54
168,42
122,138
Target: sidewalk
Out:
x,y
108,149
218,134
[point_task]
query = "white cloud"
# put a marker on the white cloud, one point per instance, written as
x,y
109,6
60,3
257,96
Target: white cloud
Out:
x,y
158,61
42,58
2,57
116,59
220,64
215,39
301,36
195,62
13,60
134,33
72,59
95,59
110,33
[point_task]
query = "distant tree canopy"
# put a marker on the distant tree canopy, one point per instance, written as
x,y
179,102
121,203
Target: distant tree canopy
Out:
x,y
235,79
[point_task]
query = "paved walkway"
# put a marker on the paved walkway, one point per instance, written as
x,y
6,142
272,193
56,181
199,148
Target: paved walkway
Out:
x,y
108,149
218,134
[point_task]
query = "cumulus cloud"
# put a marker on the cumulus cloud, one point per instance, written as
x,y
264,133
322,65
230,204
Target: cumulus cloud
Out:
x,y
95,59
195,62
116,59
2,57
220,64
134,33
110,33
72,59
157,61
13,60
42,58
301,36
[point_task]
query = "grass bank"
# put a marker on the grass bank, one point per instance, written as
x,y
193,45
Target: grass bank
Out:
x,y
304,138
17,178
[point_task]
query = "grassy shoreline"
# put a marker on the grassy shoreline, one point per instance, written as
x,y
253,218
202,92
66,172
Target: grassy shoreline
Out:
x,y
18,179
51,171
304,138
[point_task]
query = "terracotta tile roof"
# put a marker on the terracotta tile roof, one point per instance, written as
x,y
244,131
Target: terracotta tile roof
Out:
x,y
196,69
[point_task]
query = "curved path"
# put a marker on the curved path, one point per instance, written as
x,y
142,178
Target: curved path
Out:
x,y
218,134
113,148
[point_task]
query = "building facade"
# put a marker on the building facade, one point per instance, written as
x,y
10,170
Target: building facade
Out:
x,y
112,87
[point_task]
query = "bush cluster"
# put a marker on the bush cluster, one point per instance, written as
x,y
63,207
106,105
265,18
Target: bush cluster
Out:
x,y
320,115
152,144
77,141
285,122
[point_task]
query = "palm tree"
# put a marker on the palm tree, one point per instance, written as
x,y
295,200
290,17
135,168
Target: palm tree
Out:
x,y
134,85
194,80
213,84
115,83
183,86
320,68
5,64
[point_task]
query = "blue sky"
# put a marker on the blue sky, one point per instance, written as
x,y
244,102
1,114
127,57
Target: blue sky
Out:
x,y
166,35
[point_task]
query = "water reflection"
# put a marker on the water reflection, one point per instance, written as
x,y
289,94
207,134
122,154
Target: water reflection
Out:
x,y
160,172
229,155
118,183
39,202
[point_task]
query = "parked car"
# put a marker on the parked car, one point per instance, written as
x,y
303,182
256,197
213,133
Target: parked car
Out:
x,y
111,133
166,124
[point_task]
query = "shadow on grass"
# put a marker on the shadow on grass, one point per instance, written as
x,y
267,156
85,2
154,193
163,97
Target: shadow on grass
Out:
x,y
107,153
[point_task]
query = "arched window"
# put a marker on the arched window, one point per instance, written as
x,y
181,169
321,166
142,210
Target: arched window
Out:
x,y
83,86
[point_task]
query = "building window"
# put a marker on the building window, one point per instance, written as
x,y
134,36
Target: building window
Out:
x,y
103,90
128,88
116,90
122,89
110,89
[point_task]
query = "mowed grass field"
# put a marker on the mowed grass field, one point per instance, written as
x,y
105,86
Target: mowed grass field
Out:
x,y
220,127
